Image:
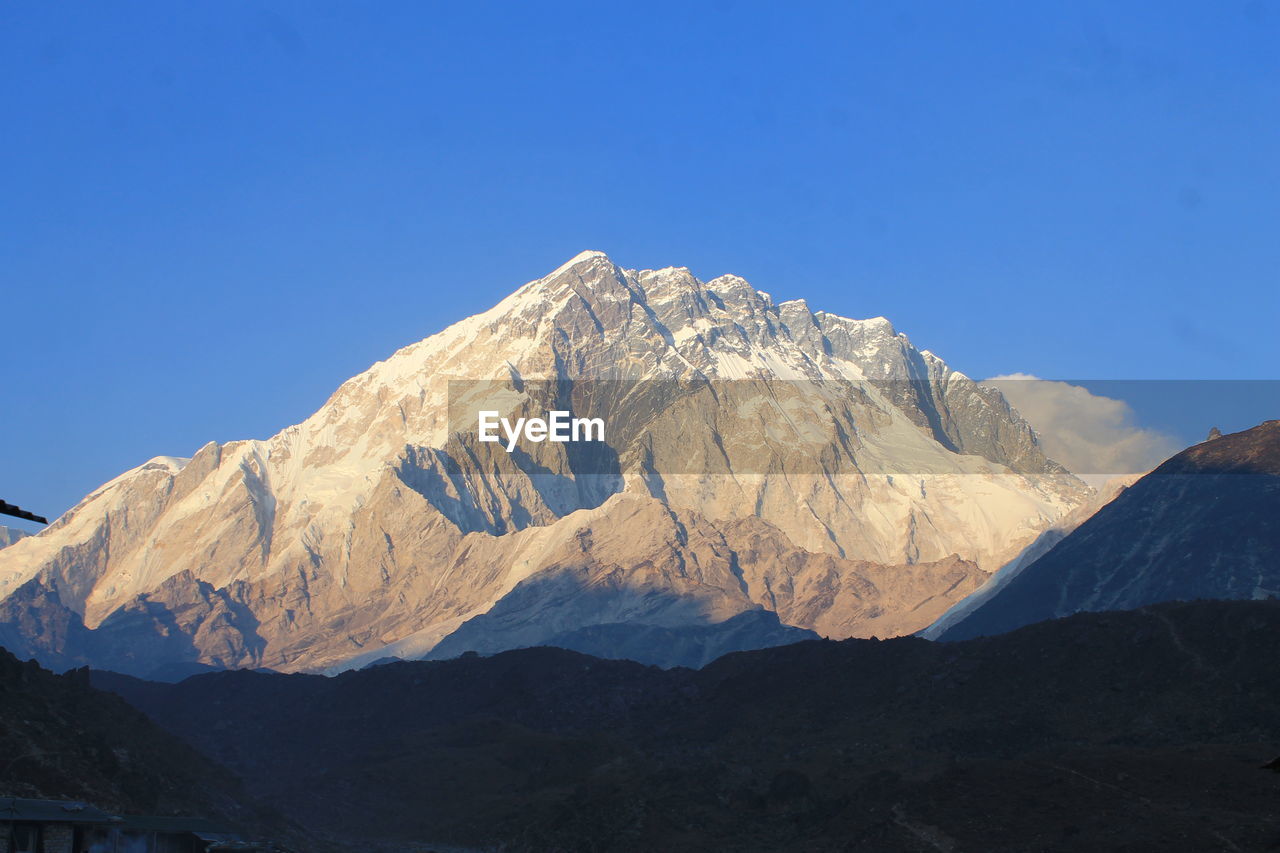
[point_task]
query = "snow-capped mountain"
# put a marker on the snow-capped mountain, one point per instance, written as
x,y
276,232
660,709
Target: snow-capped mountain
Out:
x,y
759,455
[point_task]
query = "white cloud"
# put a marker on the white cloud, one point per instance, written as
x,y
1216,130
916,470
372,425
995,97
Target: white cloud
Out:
x,y
1094,437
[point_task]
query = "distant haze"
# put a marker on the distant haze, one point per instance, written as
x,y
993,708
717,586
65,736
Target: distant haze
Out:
x,y
1095,437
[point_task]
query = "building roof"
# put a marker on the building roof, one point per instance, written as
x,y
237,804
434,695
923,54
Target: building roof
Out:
x,y
51,811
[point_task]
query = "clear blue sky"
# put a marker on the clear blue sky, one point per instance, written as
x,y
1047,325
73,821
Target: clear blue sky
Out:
x,y
213,213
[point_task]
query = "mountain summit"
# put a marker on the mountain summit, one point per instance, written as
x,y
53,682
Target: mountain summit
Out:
x,y
758,455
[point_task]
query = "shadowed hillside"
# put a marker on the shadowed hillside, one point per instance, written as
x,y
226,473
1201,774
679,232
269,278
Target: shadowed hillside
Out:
x,y
1136,730
1205,524
62,739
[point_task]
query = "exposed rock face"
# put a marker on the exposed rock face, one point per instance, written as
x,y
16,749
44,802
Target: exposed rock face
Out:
x,y
1204,525
757,455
